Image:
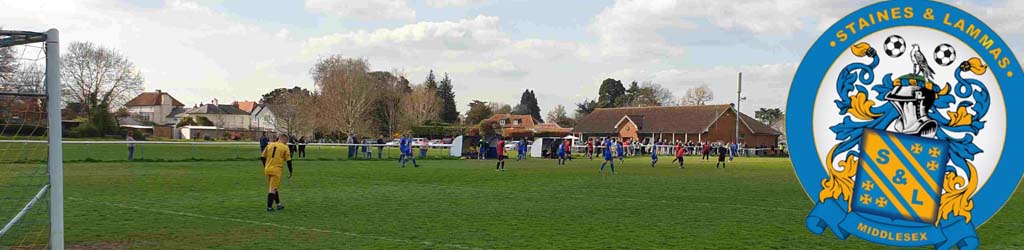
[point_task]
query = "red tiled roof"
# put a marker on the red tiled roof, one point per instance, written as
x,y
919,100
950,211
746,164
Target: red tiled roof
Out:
x,y
527,120
152,99
679,119
247,106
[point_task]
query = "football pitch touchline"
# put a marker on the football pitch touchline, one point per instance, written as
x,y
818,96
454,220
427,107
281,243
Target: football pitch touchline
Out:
x,y
582,196
270,224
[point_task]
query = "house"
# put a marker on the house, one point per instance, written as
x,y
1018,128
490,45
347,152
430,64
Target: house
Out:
x,y
262,118
247,106
524,126
222,115
156,107
684,123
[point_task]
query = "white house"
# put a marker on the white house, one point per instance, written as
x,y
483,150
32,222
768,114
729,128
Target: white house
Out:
x,y
263,119
156,107
222,116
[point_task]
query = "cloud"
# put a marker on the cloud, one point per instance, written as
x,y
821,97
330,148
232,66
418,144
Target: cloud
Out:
x,y
477,33
452,3
363,9
182,47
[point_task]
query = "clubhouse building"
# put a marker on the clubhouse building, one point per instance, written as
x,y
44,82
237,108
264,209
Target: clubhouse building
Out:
x,y
709,123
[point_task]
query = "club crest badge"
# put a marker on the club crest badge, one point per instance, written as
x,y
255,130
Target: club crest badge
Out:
x,y
899,121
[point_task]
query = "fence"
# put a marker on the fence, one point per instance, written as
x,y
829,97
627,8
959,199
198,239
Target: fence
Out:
x,y
86,151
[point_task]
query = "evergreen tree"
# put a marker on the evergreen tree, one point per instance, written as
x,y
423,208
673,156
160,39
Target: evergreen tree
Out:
x,y
431,81
446,94
528,106
611,94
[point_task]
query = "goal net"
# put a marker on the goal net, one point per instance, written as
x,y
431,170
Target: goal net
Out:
x,y
31,207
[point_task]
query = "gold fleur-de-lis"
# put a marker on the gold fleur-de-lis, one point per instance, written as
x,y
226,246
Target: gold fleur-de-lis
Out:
x,y
881,202
932,165
916,148
934,152
866,199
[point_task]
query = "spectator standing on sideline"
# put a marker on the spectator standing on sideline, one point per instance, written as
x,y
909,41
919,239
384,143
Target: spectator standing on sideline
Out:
x,y
380,147
292,145
131,146
705,151
351,149
423,148
302,147
263,142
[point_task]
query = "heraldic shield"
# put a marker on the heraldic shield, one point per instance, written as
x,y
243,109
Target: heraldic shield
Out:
x,y
900,176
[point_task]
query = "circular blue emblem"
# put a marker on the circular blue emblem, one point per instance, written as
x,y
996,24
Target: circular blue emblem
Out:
x,y
898,122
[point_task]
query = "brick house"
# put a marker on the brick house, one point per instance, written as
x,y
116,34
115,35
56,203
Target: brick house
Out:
x,y
685,123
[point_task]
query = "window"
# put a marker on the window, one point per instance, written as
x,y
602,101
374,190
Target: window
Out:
x,y
146,116
517,121
502,122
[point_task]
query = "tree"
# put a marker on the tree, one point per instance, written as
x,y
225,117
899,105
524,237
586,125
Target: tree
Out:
x,y
290,114
558,116
586,107
488,128
346,92
499,108
611,94
632,94
478,111
203,121
768,116
186,121
99,78
446,93
699,95
8,63
275,96
650,94
431,81
388,107
420,106
519,109
528,106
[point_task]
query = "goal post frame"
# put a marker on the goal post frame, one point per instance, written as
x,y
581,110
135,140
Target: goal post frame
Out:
x,y
55,154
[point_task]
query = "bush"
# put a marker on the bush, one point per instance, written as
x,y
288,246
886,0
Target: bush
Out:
x,y
85,130
438,131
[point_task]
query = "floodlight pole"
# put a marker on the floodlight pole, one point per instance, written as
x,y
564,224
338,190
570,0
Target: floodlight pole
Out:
x,y
739,91
55,159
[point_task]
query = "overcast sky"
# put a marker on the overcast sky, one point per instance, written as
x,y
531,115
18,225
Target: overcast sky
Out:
x,y
493,50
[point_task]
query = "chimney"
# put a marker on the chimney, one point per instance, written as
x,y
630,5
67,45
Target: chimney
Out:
x,y
214,102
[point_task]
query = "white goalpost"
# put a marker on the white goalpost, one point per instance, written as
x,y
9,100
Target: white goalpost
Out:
x,y
30,107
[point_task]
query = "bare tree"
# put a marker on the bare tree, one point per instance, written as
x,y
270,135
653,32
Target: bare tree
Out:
x,y
650,94
699,95
8,64
420,106
101,79
559,116
346,93
290,114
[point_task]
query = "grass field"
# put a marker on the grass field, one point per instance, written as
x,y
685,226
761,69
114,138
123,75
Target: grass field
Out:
x,y
756,203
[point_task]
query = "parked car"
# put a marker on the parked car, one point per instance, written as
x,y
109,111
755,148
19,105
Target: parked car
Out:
x,y
418,141
511,145
393,143
436,142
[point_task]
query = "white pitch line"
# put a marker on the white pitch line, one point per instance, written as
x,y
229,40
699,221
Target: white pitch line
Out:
x,y
271,224
582,196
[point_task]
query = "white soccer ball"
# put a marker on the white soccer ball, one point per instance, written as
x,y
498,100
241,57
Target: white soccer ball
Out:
x,y
945,55
895,46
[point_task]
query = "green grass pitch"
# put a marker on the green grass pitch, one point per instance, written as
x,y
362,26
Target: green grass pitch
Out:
x,y
756,203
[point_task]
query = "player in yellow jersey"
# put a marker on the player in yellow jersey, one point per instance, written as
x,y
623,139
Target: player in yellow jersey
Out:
x,y
274,157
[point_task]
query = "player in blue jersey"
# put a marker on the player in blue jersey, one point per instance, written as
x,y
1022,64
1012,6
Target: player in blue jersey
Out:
x,y
654,152
620,151
406,148
608,155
